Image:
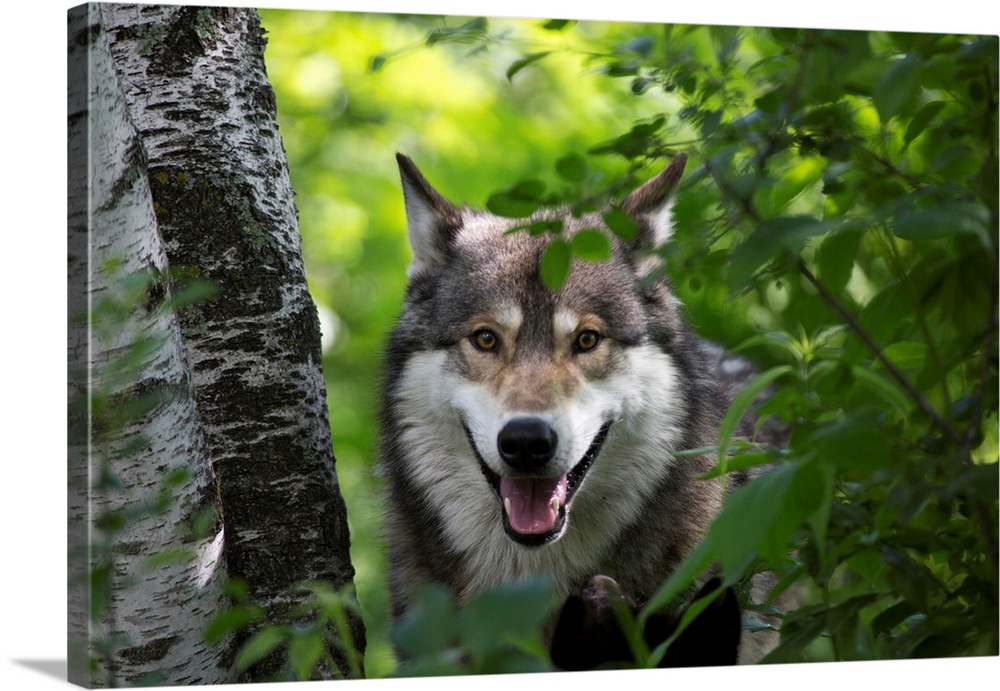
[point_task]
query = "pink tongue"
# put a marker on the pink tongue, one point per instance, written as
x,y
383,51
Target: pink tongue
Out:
x,y
528,502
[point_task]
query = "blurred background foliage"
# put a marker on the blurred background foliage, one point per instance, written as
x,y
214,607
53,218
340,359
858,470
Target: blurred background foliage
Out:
x,y
837,222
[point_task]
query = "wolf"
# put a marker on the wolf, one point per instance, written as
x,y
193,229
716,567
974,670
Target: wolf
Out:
x,y
526,432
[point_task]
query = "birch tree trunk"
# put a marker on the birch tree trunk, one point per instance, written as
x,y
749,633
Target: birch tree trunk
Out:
x,y
211,185
153,577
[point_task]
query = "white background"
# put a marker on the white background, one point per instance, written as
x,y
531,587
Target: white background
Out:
x,y
33,336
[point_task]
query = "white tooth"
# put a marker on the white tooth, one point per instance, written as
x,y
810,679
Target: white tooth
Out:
x,y
506,505
554,504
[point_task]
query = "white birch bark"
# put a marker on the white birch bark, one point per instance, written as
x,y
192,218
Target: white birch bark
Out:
x,y
149,618
197,93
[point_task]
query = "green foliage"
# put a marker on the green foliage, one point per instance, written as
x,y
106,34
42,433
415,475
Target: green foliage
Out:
x,y
855,209
306,638
837,223
496,632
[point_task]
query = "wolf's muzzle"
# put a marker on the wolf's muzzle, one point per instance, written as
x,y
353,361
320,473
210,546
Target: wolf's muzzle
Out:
x,y
534,506
527,443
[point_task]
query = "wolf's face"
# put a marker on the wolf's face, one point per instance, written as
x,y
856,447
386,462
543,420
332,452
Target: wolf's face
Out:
x,y
512,397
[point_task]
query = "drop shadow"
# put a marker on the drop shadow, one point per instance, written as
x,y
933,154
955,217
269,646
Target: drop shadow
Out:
x,y
50,668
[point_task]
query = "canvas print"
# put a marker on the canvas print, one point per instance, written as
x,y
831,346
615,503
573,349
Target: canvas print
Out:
x,y
413,345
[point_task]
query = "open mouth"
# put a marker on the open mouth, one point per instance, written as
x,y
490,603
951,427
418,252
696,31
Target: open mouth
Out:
x,y
534,508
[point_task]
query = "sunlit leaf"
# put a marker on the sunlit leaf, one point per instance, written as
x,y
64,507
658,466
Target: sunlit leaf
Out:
x,y
304,652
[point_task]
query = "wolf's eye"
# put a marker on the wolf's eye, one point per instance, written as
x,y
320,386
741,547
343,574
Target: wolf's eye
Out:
x,y
586,340
484,339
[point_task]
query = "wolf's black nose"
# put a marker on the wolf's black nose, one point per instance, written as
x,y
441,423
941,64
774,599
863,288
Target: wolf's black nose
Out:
x,y
527,443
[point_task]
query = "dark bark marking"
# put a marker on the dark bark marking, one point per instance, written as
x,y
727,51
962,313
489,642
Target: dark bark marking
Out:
x,y
154,650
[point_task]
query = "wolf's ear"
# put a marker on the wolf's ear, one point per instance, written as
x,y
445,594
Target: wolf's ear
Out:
x,y
653,203
431,220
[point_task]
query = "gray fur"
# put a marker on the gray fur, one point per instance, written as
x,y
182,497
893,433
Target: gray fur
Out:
x,y
639,510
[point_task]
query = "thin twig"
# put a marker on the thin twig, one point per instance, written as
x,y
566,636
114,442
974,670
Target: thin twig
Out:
x,y
852,322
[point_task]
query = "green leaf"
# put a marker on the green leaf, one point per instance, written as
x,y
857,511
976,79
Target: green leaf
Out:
x,y
898,85
779,501
304,652
912,579
710,122
627,68
856,441
812,498
793,181
555,264
177,555
429,625
690,613
192,291
535,228
773,100
692,567
835,258
521,200
868,564
471,30
734,539
921,120
621,224
887,388
230,620
557,24
260,645
907,355
741,404
773,239
883,316
590,245
572,168
525,61
506,615
942,221
797,632
641,84
640,139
